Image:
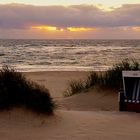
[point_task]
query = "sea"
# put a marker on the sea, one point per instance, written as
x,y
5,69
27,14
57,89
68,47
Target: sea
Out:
x,y
27,55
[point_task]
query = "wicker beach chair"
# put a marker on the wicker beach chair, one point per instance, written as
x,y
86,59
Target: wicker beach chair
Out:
x,y
129,97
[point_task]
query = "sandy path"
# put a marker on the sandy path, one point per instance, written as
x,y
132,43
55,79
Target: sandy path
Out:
x,y
70,125
56,82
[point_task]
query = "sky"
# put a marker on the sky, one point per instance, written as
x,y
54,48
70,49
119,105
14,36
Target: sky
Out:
x,y
70,19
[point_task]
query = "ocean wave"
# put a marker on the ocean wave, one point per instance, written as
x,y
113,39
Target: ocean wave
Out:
x,y
66,54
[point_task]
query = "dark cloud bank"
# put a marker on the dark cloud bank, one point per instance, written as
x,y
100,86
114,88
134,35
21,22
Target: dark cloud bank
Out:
x,y
19,16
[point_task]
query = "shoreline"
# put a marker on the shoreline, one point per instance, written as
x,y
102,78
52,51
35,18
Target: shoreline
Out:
x,y
41,68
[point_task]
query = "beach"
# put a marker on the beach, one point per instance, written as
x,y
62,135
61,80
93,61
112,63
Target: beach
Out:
x,y
91,115
55,43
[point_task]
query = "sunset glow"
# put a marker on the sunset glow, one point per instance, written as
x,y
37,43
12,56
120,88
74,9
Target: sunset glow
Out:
x,y
71,29
136,28
77,29
49,28
101,20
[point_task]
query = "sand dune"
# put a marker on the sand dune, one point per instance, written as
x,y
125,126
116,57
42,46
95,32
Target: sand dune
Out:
x,y
86,116
93,100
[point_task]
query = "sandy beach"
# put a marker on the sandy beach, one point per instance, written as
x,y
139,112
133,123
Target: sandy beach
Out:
x,y
92,115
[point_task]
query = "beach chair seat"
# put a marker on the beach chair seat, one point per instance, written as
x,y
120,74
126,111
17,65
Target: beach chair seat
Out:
x,y
129,97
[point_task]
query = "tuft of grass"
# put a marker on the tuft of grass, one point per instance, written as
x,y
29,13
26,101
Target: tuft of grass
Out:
x,y
74,87
16,90
91,80
112,78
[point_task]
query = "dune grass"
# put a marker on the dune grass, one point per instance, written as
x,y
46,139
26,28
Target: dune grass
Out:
x,y
112,78
75,86
16,90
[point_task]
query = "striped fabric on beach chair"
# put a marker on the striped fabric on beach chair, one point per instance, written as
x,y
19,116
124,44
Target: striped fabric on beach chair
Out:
x,y
129,99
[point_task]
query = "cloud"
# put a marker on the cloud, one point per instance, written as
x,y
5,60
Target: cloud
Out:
x,y
20,16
